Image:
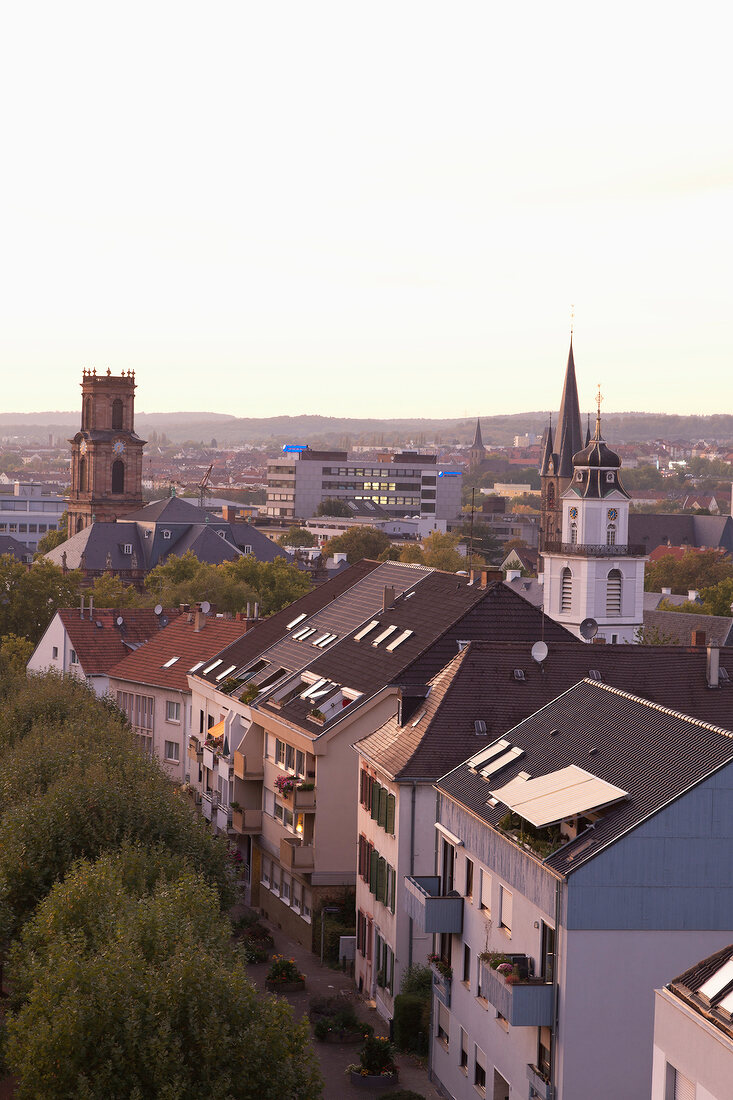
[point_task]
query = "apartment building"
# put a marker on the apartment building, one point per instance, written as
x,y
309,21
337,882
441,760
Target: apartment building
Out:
x,y
580,859
27,513
484,690
279,711
87,641
151,685
405,484
693,1032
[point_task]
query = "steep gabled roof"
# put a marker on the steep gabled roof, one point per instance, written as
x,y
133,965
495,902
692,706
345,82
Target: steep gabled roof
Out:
x,y
569,434
652,753
169,510
547,463
478,443
181,643
100,647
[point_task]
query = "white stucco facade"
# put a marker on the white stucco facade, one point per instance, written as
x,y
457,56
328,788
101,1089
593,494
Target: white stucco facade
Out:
x,y
688,1046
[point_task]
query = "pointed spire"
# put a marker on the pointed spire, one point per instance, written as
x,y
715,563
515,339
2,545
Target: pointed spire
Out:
x,y
478,444
569,431
587,432
546,461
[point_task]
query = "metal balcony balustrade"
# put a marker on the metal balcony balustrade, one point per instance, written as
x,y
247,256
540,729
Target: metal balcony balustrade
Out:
x,y
432,910
589,550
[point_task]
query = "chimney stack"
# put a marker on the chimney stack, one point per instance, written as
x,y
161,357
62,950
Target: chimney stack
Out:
x,y
388,598
81,612
199,619
692,594
513,575
713,666
91,608
698,637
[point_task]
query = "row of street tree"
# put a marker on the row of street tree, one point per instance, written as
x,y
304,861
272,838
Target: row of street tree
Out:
x,y
113,900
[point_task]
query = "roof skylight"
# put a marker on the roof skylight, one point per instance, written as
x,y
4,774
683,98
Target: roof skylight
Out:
x,y
486,754
301,635
324,640
171,662
296,620
366,630
197,666
225,673
212,666
501,761
314,687
399,640
385,634
718,981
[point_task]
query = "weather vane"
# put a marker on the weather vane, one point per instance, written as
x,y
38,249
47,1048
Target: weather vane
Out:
x,y
572,319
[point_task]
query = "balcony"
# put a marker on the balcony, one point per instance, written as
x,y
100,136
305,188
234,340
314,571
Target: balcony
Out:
x,y
209,758
524,1003
541,1089
433,911
296,856
247,821
588,550
248,767
441,986
222,818
206,807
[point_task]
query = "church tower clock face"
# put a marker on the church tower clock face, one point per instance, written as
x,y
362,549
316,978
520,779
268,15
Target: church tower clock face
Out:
x,y
118,448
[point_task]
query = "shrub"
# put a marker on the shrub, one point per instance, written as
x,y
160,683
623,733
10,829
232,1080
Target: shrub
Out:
x,y
411,1022
417,979
284,970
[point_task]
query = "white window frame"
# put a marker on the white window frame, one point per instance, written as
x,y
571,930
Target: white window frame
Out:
x,y
172,705
176,750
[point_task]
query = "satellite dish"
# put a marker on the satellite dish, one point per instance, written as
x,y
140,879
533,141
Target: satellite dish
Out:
x,y
539,652
588,629
164,621
158,608
206,607
119,620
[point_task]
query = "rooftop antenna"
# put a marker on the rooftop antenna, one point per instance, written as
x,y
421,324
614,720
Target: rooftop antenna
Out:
x,y
470,537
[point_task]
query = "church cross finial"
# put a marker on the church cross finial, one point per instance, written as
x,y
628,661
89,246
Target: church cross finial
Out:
x,y
572,320
599,398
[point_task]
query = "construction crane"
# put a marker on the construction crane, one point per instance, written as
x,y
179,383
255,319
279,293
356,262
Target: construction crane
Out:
x,y
204,487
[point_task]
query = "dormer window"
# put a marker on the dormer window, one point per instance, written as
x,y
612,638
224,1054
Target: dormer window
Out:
x,y
127,548
609,477
166,534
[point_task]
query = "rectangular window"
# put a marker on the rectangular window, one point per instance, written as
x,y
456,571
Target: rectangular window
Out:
x,y
280,752
479,1070
73,657
469,878
172,751
278,810
300,763
285,888
486,893
505,908
266,869
290,758
443,1031
172,711
55,652
449,862
463,1059
382,819
390,821
467,964
376,788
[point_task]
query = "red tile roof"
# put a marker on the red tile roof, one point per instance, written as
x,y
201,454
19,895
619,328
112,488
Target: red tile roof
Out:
x,y
181,640
100,647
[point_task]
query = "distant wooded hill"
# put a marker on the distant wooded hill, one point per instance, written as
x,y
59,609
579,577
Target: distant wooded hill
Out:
x,y
343,432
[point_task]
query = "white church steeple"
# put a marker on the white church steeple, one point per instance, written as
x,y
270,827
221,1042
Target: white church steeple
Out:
x,y
593,573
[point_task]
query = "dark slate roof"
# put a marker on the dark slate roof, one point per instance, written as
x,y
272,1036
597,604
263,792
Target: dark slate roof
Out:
x,y
659,528
653,753
9,545
676,627
687,987
547,462
529,588
180,639
596,469
483,687
478,443
208,544
569,434
100,647
100,543
169,510
244,535
271,630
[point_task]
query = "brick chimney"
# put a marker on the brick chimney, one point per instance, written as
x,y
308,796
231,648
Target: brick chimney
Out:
x,y
698,637
713,666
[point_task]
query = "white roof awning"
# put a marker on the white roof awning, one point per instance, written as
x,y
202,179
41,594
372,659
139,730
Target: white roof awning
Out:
x,y
552,798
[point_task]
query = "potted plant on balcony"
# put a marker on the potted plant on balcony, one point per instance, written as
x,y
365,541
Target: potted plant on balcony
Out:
x,y
249,694
317,716
284,976
376,1069
443,969
285,785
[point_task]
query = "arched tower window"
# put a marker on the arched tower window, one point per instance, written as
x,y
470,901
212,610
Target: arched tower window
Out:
x,y
551,495
613,592
566,590
118,477
87,417
573,533
611,534
117,413
82,475
79,524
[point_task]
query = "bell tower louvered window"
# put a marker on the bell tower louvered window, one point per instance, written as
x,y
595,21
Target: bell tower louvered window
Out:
x,y
613,592
566,590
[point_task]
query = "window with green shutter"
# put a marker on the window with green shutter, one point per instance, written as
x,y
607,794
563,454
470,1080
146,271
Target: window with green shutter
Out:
x,y
382,879
382,819
376,791
374,862
393,889
389,824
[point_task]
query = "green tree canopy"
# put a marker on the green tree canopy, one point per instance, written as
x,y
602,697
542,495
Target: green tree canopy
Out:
x,y
440,551
53,539
332,506
229,586
695,569
298,536
357,543
30,597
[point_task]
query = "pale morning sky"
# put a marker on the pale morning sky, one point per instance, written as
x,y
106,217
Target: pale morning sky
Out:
x,y
367,209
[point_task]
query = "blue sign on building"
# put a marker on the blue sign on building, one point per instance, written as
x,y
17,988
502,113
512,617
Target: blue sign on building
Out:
x,y
295,448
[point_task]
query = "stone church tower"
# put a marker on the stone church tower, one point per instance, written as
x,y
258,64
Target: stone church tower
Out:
x,y
556,468
106,454
477,454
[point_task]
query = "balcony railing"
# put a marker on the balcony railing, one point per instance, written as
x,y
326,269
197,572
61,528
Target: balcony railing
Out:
x,y
247,821
524,1003
541,1087
433,911
589,550
248,767
441,986
296,856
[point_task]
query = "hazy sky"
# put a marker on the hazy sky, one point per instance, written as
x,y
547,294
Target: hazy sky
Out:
x,y
367,209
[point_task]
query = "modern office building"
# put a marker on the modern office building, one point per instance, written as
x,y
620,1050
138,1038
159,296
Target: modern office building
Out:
x,y
28,513
402,484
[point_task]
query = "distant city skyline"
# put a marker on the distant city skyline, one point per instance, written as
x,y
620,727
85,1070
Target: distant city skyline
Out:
x,y
385,212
